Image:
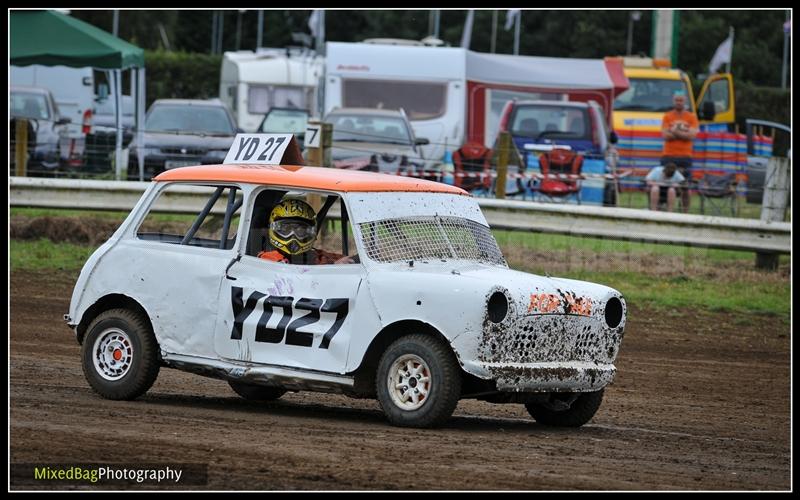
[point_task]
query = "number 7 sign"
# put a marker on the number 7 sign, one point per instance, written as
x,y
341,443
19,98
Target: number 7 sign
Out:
x,y
311,139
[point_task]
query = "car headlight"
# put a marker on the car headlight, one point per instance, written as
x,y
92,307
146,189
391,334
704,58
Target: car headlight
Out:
x,y
217,154
613,312
144,152
497,307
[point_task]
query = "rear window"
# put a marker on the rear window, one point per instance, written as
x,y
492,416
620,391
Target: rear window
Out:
x,y
562,122
420,100
285,121
189,119
366,128
29,105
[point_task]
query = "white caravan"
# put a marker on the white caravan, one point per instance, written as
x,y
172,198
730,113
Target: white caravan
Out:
x,y
253,82
452,94
429,83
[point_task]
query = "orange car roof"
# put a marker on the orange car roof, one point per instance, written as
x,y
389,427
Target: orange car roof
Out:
x,y
326,179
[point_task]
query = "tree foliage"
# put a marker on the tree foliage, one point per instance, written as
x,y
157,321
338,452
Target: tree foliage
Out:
x,y
757,54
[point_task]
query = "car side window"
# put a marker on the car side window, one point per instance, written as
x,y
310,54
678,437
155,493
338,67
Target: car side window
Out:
x,y
209,216
329,236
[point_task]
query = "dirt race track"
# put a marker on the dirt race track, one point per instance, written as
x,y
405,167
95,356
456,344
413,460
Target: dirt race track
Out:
x,y
701,402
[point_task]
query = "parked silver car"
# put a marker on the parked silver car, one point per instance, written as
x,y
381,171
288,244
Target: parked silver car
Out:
x,y
181,132
38,106
379,140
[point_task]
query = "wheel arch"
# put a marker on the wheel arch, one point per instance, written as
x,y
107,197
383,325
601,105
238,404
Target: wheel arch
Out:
x,y
365,373
105,303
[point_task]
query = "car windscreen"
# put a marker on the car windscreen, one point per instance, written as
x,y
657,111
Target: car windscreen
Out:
x,y
650,94
420,100
106,106
367,128
285,121
551,121
430,238
210,120
29,105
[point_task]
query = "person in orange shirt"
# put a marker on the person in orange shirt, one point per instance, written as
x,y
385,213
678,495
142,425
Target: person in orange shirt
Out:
x,y
679,128
292,231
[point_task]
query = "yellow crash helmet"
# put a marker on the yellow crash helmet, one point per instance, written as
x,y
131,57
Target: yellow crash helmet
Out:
x,y
292,226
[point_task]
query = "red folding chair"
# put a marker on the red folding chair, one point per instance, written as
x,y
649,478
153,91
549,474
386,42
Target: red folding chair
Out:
x,y
472,164
564,162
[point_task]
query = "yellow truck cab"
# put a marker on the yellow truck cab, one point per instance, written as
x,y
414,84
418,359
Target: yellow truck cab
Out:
x,y
652,84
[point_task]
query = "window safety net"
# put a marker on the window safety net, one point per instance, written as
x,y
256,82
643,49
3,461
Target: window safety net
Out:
x,y
430,238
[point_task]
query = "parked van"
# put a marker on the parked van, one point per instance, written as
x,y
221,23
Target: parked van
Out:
x,y
73,90
251,83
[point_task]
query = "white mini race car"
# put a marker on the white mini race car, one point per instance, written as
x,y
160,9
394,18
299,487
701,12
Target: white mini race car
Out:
x,y
430,313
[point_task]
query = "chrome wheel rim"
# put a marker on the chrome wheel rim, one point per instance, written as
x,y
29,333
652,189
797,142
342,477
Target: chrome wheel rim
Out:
x,y
409,382
113,354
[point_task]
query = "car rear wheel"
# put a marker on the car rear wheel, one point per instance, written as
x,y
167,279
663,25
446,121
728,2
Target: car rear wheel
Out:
x,y
120,355
566,409
252,392
418,381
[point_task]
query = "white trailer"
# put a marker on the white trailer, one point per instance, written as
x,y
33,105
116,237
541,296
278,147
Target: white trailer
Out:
x,y
253,82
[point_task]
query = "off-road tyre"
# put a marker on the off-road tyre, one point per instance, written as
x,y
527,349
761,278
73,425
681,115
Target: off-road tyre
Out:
x,y
580,411
126,333
435,361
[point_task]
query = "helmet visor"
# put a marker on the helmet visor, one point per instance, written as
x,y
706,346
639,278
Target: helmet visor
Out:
x,y
300,229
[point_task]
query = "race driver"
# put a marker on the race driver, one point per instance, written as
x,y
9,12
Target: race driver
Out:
x,y
292,231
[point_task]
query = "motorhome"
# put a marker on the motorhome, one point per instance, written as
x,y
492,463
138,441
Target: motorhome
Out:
x,y
251,83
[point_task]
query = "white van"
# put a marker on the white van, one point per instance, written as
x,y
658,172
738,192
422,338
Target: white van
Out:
x,y
73,90
251,83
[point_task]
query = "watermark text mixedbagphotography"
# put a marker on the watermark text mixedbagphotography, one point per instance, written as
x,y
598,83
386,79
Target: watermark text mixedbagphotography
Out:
x,y
151,474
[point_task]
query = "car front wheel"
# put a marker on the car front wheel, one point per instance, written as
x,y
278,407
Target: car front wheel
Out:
x,y
418,381
120,355
566,409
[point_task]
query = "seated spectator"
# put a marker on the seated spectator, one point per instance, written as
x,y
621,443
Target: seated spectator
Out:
x,y
663,184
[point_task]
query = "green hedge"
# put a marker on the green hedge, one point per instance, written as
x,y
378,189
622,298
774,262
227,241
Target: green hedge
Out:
x,y
764,103
181,75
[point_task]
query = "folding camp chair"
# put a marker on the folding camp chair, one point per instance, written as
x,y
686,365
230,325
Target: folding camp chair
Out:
x,y
563,162
718,191
472,164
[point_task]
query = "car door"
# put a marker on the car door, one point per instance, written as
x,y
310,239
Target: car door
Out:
x,y
298,316
719,90
174,264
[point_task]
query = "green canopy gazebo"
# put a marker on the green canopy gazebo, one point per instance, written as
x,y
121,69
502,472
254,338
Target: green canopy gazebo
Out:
x,y
51,38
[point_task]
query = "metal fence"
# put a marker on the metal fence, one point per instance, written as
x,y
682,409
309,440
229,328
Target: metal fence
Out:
x,y
92,157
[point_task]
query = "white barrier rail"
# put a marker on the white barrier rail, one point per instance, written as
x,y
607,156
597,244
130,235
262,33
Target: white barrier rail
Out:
x,y
592,221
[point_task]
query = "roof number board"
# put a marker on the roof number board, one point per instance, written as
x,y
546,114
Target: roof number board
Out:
x,y
258,149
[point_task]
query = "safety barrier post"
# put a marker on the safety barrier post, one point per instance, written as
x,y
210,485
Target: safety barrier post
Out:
x,y
504,150
319,155
773,208
21,156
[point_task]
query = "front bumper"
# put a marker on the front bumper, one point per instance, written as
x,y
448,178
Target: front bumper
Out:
x,y
548,353
574,376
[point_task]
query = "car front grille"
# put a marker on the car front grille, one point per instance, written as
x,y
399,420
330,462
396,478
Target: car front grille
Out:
x,y
184,151
551,338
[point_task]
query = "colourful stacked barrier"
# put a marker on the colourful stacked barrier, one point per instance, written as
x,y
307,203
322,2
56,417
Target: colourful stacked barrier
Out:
x,y
714,152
